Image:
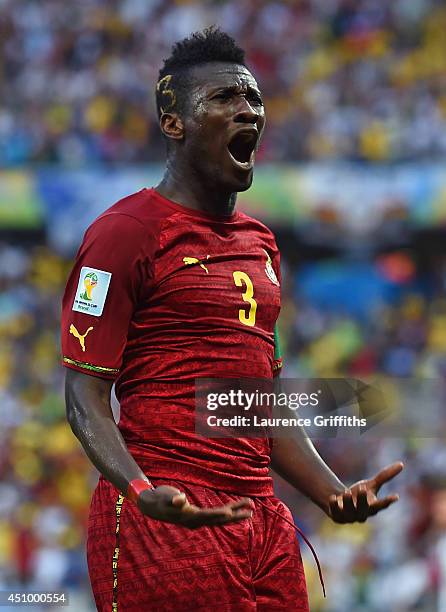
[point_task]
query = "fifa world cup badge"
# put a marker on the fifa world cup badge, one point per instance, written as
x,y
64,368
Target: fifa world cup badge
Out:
x,y
91,291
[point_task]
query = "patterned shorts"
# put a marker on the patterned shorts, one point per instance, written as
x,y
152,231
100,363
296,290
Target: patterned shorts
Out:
x,y
138,564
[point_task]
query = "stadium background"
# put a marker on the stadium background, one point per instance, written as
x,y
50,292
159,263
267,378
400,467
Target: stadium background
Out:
x,y
352,180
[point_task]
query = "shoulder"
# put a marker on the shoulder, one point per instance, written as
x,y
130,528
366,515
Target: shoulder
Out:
x,y
142,207
254,225
135,216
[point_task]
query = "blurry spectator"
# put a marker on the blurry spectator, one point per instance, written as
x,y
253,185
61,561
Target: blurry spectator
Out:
x,y
342,79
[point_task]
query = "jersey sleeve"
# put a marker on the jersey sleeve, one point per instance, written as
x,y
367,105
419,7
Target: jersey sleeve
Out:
x,y
110,270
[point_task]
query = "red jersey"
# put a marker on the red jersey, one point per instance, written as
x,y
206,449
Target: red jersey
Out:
x,y
159,296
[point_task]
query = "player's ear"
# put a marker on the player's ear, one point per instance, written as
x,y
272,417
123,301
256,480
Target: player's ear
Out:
x,y
172,126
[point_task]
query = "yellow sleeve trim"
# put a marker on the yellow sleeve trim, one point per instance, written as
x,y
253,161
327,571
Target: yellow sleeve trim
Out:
x,y
277,366
90,366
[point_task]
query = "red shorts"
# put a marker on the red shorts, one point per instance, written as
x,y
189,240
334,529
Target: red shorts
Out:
x,y
139,564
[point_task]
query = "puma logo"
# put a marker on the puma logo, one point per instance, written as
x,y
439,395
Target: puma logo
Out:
x,y
80,337
193,260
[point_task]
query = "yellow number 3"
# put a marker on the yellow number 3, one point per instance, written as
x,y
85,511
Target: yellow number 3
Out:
x,y
250,317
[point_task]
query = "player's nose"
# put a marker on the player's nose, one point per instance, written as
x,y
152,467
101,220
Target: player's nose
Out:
x,y
246,113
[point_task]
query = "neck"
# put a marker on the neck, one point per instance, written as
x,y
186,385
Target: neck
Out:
x,y
187,189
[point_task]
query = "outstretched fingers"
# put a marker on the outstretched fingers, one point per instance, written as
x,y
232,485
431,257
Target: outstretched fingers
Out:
x,y
345,508
336,508
230,513
244,502
382,504
179,500
387,474
362,504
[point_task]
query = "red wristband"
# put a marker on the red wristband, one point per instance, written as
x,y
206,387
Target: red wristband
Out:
x,y
136,487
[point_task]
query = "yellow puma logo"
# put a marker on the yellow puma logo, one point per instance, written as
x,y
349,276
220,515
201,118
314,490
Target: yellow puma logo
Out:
x,y
193,260
80,337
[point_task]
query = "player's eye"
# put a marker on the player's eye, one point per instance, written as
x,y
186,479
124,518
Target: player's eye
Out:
x,y
256,100
222,95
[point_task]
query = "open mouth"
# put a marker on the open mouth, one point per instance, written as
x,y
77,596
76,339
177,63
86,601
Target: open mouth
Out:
x,y
242,148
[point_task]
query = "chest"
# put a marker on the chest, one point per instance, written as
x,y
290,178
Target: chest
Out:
x,y
221,275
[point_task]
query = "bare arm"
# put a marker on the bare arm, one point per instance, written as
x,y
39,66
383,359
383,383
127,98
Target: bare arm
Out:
x,y
299,463
91,419
90,416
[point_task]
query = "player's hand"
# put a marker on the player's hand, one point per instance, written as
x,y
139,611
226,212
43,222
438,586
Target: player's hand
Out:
x,y
168,504
361,500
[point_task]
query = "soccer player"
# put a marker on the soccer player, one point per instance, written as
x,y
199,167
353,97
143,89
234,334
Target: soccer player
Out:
x,y
172,284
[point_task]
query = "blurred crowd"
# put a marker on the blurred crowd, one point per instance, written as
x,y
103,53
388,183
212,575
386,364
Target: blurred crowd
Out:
x,y
352,79
45,482
397,562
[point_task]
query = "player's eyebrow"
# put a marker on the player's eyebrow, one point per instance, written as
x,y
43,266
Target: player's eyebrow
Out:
x,y
234,89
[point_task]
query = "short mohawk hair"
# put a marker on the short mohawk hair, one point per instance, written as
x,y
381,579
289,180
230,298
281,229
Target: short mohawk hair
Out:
x,y
210,45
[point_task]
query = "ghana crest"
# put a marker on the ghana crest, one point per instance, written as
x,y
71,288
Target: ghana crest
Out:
x,y
270,270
